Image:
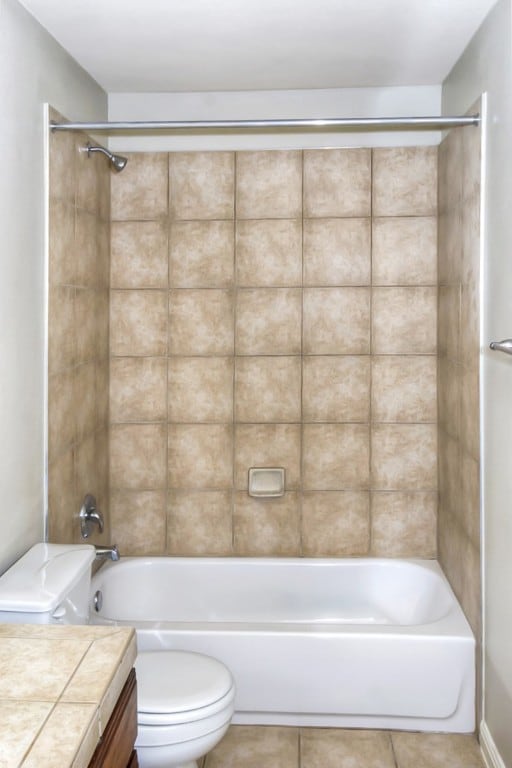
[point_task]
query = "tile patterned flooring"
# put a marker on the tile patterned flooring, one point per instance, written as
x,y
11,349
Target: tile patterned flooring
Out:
x,y
278,747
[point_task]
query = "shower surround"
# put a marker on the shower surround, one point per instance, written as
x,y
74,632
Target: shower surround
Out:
x,y
275,308
269,308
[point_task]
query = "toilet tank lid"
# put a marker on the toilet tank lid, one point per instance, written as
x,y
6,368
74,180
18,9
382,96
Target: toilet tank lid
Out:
x,y
42,578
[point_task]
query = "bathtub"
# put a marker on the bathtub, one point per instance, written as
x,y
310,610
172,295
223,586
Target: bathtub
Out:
x,y
362,643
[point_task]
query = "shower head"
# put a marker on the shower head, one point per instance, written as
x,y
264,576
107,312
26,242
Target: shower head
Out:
x,y
117,162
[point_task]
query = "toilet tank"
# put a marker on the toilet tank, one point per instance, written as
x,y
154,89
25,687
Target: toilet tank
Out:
x,y
48,585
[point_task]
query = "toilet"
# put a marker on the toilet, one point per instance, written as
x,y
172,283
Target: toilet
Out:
x,y
185,700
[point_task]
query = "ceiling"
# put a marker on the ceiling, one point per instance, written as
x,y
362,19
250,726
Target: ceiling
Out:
x,y
219,45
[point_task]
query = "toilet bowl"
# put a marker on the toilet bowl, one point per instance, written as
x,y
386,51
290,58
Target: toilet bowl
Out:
x,y
185,701
185,705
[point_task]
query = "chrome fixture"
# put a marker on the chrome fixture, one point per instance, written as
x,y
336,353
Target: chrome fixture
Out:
x,y
97,600
90,516
117,162
502,346
438,122
110,553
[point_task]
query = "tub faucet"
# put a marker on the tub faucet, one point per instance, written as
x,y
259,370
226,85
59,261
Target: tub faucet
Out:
x,y
111,553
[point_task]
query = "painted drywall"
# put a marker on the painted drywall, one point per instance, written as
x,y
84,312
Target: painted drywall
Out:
x,y
486,66
34,69
244,105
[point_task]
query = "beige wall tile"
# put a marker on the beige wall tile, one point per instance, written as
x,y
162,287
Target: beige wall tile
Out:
x,y
201,185
88,169
335,524
61,414
201,389
140,192
449,246
404,251
63,148
336,388
449,396
471,596
404,457
449,461
434,750
250,747
88,311
337,182
103,258
138,456
404,320
269,527
139,254
268,185
63,504
405,181
404,388
268,321
102,323
470,497
86,469
268,389
404,524
138,389
201,254
62,255
335,457
138,323
199,523
470,325
337,251
267,445
138,520
102,392
86,249
269,252
61,321
448,325
470,412
201,322
84,397
336,321
200,456
337,748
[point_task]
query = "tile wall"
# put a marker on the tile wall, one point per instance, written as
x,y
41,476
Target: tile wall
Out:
x,y
274,309
458,380
78,334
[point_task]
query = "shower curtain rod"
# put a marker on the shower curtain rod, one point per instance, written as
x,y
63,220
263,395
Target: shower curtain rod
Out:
x,y
347,123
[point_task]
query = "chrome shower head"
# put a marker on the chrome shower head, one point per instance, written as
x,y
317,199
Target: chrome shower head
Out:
x,y
117,162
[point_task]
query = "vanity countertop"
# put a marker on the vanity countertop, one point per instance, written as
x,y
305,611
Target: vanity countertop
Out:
x,y
58,687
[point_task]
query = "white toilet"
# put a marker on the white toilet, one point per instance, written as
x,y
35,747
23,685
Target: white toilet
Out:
x,y
185,700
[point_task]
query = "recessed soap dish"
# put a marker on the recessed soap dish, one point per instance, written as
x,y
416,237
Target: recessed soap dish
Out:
x,y
266,482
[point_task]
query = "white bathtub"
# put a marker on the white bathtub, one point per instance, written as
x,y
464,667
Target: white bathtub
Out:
x,y
365,643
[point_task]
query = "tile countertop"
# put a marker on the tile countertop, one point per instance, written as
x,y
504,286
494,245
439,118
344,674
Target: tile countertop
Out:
x,y
58,687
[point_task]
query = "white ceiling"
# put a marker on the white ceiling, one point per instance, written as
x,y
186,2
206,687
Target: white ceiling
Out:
x,y
217,45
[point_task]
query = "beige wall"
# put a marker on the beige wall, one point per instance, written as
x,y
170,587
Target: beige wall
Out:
x,y
275,308
78,331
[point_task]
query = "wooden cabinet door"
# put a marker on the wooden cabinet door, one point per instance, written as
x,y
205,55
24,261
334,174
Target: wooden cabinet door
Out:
x,y
115,749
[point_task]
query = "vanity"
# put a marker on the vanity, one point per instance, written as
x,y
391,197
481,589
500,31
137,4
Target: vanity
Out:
x,y
68,696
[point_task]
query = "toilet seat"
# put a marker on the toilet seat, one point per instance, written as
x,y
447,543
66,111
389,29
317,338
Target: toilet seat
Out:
x,y
177,681
182,697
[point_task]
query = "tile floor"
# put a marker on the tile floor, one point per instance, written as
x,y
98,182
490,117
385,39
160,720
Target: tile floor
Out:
x,y
278,747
